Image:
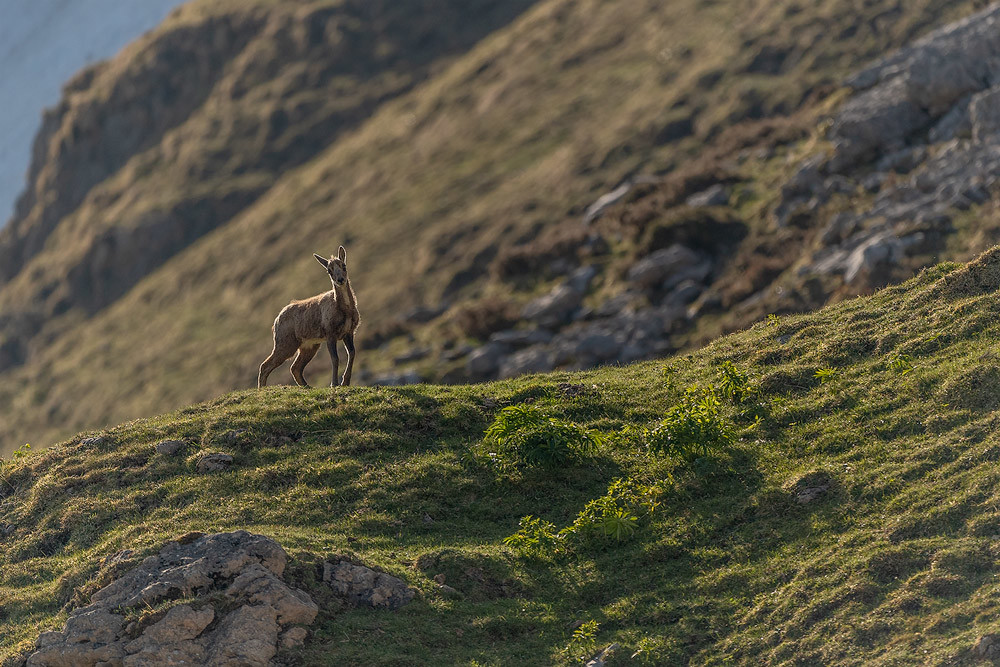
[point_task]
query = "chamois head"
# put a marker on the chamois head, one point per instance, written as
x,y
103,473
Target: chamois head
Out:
x,y
335,267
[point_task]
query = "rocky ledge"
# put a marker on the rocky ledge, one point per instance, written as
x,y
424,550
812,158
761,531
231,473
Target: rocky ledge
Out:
x,y
233,607
918,142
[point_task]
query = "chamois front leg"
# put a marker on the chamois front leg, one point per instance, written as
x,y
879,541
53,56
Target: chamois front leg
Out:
x,y
349,344
331,343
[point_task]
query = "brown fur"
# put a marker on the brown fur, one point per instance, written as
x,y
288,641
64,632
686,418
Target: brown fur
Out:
x,y
302,326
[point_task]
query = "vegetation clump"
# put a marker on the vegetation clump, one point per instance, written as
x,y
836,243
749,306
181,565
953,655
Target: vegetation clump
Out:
x,y
527,435
693,428
613,516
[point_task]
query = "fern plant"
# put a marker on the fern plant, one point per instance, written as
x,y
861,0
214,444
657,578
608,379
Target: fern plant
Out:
x,y
617,514
901,363
734,384
527,435
537,537
824,375
692,428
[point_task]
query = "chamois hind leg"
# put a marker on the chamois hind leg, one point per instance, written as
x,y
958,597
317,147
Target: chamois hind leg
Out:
x,y
282,350
331,344
349,344
303,357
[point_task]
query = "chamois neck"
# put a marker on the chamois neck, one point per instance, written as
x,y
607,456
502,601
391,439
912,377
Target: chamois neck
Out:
x,y
344,293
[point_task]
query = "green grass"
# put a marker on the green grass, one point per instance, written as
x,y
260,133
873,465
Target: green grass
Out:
x,y
896,563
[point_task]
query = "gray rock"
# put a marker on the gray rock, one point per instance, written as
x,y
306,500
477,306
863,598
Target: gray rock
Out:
x,y
605,201
457,352
416,354
555,308
873,182
534,359
294,637
247,636
941,89
984,116
485,361
716,195
180,624
840,227
810,494
169,447
695,274
361,585
424,314
169,641
838,184
684,293
214,462
601,658
597,347
96,441
905,91
450,591
988,646
95,626
517,338
660,266
258,585
235,436
617,304
397,379
955,124
245,568
882,249
902,161
581,278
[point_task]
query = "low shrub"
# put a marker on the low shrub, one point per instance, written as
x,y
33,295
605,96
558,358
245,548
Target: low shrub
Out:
x,y
615,515
527,435
691,429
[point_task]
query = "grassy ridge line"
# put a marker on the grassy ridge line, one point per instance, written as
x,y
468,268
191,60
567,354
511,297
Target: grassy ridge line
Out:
x,y
895,564
533,123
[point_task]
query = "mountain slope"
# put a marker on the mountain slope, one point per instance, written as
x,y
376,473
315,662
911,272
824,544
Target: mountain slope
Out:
x,y
150,282
852,520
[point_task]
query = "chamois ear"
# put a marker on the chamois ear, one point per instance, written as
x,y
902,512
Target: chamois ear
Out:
x,y
324,262
342,254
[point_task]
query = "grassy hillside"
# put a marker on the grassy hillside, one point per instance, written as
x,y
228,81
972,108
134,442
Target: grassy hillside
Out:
x,y
427,179
880,410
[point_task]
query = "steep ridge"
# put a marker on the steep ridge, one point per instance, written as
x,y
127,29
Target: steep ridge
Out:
x,y
844,512
190,125
142,298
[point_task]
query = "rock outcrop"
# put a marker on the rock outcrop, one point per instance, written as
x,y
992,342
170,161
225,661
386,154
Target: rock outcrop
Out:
x,y
360,585
634,325
237,611
921,137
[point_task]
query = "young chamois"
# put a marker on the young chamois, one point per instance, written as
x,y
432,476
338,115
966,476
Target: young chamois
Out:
x,y
305,325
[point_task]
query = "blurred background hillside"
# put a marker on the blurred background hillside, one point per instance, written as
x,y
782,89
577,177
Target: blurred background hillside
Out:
x,y
42,44
522,185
